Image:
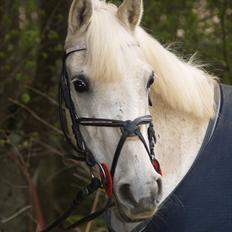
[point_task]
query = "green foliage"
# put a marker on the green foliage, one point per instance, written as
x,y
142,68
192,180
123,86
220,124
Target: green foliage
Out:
x,y
29,38
25,98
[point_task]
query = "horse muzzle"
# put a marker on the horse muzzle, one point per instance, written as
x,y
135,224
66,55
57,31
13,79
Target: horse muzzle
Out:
x,y
136,203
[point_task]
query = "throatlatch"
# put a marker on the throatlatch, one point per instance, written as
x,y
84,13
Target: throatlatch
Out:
x,y
105,178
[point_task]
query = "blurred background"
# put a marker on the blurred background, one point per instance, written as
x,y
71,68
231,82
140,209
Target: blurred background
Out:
x,y
35,182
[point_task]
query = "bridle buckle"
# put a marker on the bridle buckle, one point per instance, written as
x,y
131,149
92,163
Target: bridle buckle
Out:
x,y
130,128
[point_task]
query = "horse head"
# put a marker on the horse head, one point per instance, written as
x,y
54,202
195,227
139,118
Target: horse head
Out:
x,y
110,79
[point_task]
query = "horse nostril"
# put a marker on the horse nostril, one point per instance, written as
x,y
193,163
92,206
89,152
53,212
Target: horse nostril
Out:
x,y
132,196
126,194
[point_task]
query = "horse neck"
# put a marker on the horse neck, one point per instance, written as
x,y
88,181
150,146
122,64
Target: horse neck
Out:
x,y
179,138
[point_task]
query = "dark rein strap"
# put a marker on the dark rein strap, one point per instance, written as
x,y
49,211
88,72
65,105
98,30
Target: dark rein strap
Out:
x,y
128,128
80,196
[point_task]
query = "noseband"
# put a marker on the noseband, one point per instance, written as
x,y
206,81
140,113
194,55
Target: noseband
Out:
x,y
129,128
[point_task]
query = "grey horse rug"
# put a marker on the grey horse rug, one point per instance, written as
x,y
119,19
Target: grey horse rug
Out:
x,y
202,202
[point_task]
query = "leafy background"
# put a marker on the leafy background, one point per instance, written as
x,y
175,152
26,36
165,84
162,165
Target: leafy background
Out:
x,y
36,183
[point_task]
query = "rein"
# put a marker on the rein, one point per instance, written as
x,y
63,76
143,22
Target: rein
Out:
x,y
129,128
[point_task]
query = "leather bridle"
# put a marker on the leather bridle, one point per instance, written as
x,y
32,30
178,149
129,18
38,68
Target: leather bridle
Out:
x,y
129,128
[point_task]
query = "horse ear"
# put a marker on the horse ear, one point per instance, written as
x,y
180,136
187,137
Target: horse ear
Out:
x,y
80,14
130,12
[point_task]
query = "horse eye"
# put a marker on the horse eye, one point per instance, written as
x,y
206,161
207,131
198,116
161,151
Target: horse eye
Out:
x,y
151,80
80,83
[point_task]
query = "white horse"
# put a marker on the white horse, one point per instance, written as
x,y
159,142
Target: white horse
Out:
x,y
118,66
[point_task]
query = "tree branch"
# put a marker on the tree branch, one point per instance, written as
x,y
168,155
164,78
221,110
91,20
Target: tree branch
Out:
x,y
53,101
95,203
58,131
16,214
32,190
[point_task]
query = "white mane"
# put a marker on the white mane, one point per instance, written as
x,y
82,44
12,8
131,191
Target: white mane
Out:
x,y
182,85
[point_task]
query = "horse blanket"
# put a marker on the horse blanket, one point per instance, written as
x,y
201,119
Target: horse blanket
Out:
x,y
202,202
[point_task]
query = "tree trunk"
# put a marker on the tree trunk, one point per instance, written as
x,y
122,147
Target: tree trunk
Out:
x,y
14,202
53,18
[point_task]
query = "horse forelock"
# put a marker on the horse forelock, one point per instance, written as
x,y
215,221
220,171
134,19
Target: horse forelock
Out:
x,y
109,46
